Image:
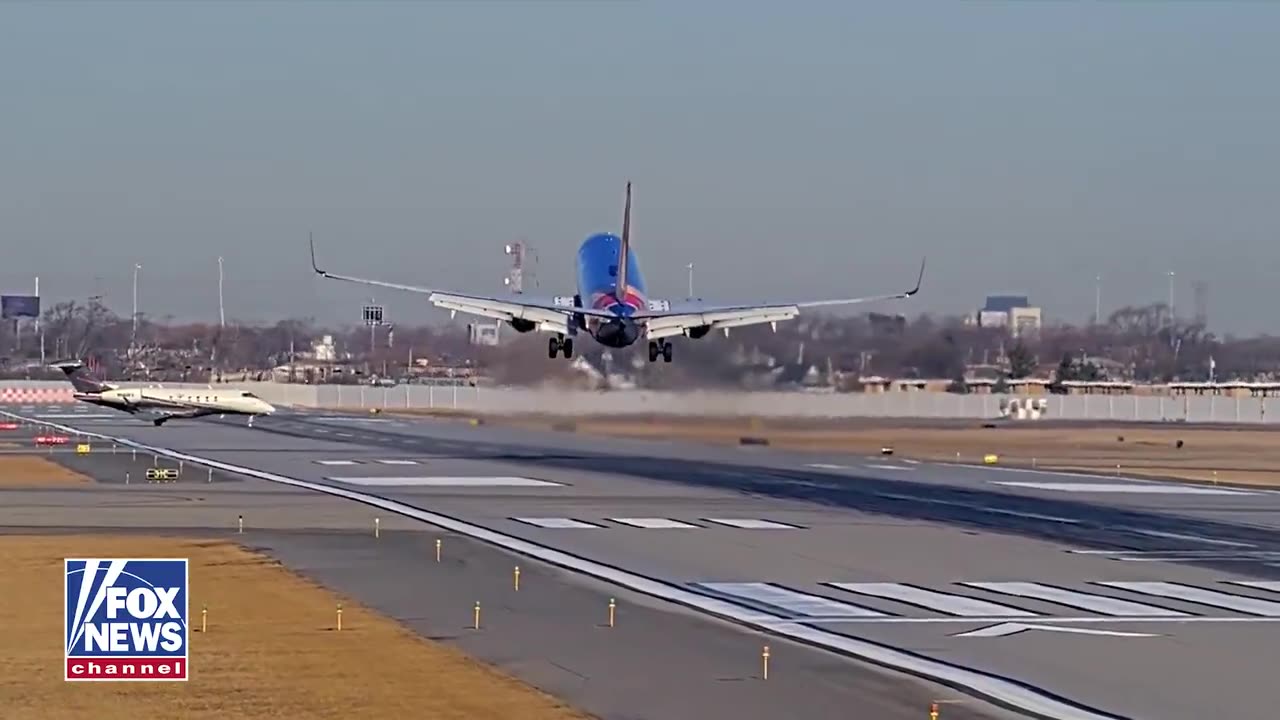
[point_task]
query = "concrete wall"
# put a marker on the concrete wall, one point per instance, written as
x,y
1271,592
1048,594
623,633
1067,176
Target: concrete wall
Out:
x,y
1198,409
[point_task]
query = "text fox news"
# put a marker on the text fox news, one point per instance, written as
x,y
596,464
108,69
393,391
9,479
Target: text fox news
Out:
x,y
126,619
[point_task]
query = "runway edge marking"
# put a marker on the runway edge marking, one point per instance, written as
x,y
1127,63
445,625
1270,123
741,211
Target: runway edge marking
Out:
x,y
1004,691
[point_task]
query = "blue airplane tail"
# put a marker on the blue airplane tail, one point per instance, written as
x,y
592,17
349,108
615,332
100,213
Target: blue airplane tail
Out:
x,y
624,251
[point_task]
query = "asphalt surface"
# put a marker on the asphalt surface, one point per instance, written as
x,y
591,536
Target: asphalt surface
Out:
x,y
1143,587
658,661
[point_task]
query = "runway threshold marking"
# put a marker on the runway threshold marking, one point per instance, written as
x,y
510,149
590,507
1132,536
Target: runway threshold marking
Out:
x,y
939,601
749,524
655,523
557,523
1016,694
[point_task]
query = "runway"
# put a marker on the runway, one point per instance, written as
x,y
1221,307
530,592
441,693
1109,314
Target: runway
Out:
x,y
1142,591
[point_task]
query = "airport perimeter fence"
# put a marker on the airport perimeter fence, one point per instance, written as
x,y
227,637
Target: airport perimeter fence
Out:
x,y
489,400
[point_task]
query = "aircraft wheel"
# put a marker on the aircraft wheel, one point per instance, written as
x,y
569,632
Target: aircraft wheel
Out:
x,y
653,351
666,352
553,347
567,346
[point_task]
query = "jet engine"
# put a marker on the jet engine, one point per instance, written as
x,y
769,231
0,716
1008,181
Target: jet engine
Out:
x,y
521,325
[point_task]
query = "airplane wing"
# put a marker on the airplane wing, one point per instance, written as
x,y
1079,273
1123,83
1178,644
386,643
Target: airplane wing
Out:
x,y
545,314
662,324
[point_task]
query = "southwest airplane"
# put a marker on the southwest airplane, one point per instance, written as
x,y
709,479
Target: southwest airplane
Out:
x,y
163,403
611,305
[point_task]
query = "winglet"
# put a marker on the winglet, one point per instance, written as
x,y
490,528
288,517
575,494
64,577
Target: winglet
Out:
x,y
312,241
919,280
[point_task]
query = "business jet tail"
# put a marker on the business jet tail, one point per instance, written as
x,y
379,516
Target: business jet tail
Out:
x,y
80,378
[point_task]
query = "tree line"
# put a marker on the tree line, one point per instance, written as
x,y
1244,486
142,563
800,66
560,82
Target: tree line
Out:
x,y
1139,344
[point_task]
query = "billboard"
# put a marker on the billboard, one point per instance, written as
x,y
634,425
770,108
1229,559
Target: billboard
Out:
x,y
19,306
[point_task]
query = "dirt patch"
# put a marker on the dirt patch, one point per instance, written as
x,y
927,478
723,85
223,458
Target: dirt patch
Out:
x,y
35,471
271,650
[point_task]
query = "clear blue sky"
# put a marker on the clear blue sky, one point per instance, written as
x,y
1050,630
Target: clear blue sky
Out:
x,y
790,150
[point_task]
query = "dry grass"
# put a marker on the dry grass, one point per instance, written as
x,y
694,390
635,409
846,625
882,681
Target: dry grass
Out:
x,y
270,652
34,471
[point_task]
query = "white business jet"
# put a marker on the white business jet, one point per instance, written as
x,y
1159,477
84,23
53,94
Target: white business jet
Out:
x,y
163,404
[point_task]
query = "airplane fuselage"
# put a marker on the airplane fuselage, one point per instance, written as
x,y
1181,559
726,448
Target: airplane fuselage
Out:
x,y
597,267
178,402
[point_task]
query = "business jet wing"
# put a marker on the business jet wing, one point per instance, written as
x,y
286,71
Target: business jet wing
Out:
x,y
546,314
666,323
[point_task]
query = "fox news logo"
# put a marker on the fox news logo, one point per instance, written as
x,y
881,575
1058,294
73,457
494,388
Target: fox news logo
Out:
x,y
126,619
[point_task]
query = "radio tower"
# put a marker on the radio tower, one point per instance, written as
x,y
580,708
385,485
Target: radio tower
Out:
x,y
519,251
1201,292
515,276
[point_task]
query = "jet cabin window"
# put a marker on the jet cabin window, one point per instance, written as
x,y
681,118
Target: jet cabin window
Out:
x,y
613,271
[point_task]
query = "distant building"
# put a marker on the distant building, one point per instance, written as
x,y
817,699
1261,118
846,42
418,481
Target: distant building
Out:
x,y
1013,312
483,333
1005,303
324,350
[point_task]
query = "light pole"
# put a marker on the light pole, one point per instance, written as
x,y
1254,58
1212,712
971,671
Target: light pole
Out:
x,y
1097,300
134,340
222,316
690,281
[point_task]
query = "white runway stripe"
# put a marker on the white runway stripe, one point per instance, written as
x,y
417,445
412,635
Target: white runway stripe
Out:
x,y
1200,596
336,462
1268,585
746,524
398,462
654,523
933,600
788,601
556,523
1134,487
1100,604
1190,538
440,481
887,467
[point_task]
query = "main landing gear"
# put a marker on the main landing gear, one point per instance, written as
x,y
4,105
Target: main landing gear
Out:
x,y
557,344
659,347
